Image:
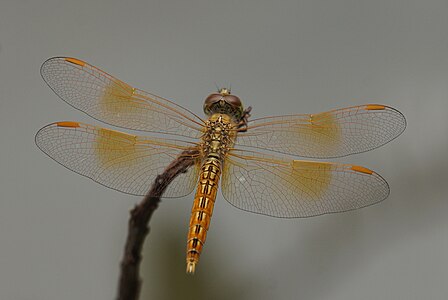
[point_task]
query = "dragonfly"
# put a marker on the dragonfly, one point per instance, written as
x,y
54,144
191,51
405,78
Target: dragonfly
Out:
x,y
251,158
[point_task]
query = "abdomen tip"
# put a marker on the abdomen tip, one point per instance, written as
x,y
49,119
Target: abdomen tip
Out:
x,y
191,267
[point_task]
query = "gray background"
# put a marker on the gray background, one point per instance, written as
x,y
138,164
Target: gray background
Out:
x,y
61,235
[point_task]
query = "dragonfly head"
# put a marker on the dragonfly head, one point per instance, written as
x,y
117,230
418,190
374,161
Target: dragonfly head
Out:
x,y
225,103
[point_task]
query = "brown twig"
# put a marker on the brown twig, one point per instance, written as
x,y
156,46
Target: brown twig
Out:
x,y
129,283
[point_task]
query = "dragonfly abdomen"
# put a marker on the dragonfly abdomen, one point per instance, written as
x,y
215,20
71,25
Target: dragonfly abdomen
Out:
x,y
216,141
202,210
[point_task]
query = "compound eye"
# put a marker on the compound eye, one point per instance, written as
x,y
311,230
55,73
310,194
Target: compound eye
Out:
x,y
212,98
233,100
210,101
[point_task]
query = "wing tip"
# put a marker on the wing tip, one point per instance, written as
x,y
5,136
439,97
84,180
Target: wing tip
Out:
x,y
56,59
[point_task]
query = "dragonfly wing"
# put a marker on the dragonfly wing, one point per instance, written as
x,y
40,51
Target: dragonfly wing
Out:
x,y
326,135
120,161
112,101
289,189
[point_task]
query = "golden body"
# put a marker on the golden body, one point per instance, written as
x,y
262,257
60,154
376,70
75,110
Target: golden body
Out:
x,y
216,141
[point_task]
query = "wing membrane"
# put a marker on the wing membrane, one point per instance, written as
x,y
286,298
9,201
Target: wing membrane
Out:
x,y
112,101
267,185
120,161
326,135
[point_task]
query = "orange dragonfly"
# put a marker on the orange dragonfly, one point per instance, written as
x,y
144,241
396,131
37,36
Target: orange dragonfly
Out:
x,y
226,145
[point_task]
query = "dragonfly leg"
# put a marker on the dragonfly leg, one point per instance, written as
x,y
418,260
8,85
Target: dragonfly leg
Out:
x,y
242,125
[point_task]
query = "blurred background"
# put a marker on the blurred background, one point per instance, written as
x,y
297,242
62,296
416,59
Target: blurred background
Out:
x,y
62,235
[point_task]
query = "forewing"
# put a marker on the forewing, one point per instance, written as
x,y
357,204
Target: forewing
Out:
x,y
118,160
288,189
326,135
112,101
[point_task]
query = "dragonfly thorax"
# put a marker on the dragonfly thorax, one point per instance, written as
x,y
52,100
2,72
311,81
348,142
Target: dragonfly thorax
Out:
x,y
219,135
225,103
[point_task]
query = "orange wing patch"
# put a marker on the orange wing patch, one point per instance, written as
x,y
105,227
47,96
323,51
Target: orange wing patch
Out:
x,y
323,129
114,148
314,177
118,98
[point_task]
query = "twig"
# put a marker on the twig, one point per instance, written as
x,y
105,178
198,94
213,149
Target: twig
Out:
x,y
129,283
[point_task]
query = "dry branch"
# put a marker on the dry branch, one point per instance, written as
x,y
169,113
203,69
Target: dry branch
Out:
x,y
130,283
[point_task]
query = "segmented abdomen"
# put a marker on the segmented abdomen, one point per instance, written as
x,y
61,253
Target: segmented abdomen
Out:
x,y
202,210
